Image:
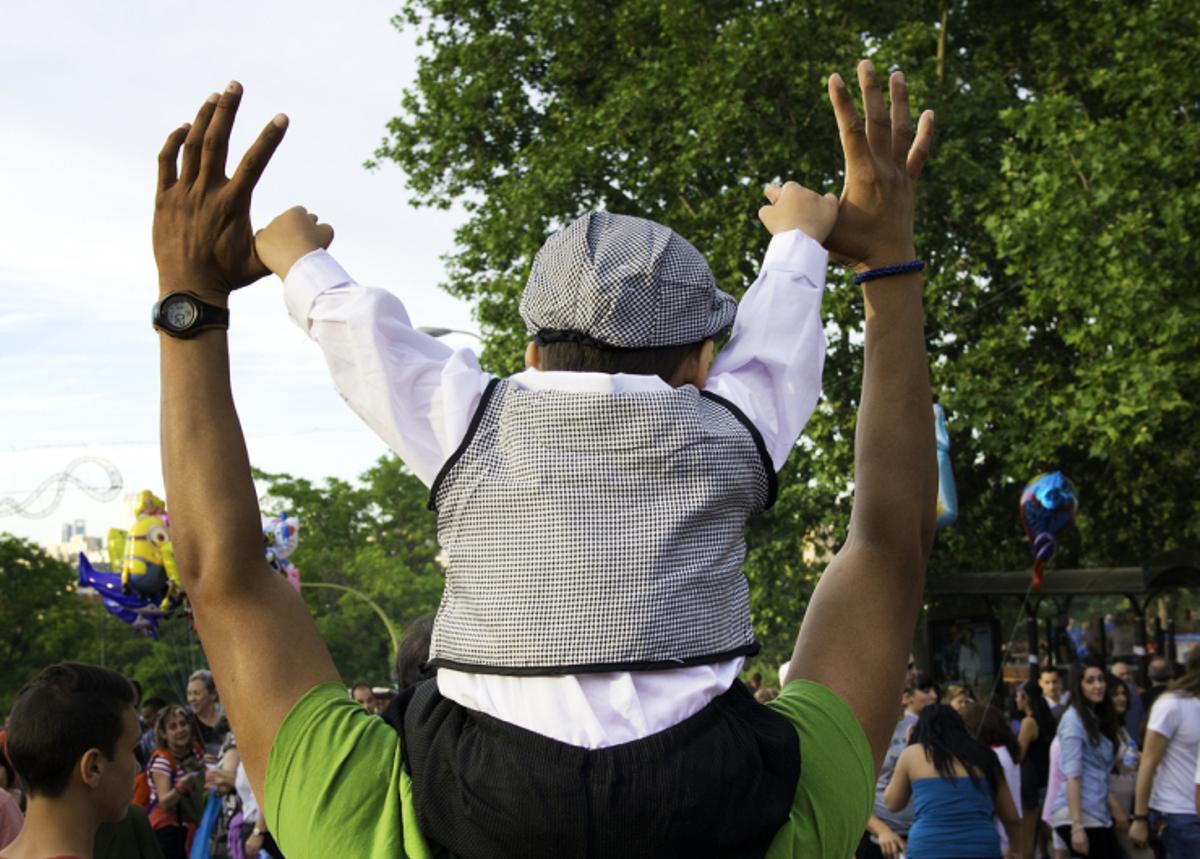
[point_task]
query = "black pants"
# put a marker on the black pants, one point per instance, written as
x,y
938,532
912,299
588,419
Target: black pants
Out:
x,y
1102,843
485,788
867,849
173,841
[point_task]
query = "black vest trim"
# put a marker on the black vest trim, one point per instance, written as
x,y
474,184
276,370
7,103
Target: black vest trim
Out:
x,y
768,466
720,783
745,650
476,418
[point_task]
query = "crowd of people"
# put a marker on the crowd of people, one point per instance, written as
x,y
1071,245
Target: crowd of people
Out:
x,y
184,753
1105,767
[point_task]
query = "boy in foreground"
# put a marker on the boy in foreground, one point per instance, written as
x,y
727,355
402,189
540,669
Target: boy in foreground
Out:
x,y
310,748
72,735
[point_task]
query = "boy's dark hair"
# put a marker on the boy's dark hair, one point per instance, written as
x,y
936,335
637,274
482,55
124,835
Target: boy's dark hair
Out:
x,y
412,657
661,361
59,715
155,701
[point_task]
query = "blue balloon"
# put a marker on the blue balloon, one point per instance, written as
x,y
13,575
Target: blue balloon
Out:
x,y
947,497
1048,504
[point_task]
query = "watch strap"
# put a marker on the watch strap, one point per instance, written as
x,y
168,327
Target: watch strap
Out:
x,y
208,316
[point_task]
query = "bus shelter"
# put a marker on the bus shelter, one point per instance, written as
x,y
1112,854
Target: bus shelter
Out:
x,y
1138,585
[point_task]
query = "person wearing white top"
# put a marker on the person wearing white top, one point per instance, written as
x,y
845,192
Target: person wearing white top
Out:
x,y
419,395
1165,780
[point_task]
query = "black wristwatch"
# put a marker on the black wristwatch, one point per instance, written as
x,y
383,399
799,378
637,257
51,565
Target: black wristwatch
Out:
x,y
1134,818
181,314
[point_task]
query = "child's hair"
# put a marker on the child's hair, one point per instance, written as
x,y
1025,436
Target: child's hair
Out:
x,y
661,361
160,724
944,736
60,715
412,657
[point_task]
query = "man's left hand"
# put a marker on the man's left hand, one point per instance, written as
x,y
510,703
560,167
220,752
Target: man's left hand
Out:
x,y
203,241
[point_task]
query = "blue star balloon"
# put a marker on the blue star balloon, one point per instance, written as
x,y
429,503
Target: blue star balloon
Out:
x,y
1048,504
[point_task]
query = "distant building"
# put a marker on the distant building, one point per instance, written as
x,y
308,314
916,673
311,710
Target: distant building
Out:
x,y
76,540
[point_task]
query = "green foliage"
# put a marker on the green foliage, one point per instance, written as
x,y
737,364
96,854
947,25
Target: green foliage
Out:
x,y
376,537
1056,214
46,621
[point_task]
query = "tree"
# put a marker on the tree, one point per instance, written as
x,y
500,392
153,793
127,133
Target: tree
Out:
x,y
376,537
1056,217
45,621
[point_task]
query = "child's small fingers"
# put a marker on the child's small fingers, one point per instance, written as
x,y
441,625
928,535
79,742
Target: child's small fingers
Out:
x,y
312,217
772,191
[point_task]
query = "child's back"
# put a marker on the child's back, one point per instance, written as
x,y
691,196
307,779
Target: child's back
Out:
x,y
592,524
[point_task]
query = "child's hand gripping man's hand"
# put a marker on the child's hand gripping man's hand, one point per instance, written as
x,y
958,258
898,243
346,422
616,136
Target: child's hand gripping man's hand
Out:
x,y
794,207
290,236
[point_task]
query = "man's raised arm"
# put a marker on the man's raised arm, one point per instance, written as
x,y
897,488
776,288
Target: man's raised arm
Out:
x,y
259,638
859,625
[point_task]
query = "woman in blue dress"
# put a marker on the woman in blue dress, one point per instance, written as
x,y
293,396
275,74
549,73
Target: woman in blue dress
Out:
x,y
956,785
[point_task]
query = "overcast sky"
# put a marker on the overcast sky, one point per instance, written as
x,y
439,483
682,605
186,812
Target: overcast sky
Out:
x,y
92,91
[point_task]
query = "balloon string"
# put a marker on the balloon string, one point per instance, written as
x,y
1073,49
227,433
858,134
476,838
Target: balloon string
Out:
x,y
1005,650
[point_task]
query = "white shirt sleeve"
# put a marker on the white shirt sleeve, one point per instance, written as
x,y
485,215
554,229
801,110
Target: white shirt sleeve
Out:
x,y
414,391
1164,716
771,367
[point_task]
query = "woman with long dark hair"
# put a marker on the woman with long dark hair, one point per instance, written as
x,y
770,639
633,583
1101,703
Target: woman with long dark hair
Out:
x,y
1084,812
956,785
1034,736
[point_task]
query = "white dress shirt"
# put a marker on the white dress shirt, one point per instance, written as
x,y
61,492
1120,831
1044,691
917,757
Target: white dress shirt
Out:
x,y
419,396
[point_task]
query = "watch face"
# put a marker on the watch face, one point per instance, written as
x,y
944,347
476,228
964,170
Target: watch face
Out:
x,y
179,312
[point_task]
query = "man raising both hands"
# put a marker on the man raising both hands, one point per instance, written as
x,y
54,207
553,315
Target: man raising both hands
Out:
x,y
305,755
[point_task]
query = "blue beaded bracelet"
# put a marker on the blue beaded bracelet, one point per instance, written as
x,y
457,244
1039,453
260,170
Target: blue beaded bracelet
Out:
x,y
888,271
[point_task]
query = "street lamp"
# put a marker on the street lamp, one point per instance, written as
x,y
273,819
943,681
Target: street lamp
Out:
x,y
436,331
391,629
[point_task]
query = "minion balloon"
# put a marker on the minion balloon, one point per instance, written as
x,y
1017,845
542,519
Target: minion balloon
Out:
x,y
1048,504
148,561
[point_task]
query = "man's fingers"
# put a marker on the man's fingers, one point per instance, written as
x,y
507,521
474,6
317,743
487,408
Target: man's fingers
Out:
x,y
902,133
325,235
919,153
195,139
256,157
168,157
216,139
850,124
879,124
772,192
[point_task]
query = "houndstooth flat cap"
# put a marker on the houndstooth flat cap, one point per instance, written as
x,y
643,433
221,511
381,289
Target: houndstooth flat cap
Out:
x,y
623,282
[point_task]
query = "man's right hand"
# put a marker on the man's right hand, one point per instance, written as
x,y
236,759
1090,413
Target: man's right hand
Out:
x,y
291,235
883,161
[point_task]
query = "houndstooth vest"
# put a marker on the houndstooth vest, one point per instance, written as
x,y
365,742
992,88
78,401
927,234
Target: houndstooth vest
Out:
x,y
597,532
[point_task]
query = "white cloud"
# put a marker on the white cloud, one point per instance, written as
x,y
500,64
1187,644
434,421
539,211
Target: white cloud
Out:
x,y
100,87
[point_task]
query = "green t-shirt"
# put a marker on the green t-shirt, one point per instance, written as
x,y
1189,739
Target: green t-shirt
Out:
x,y
336,785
